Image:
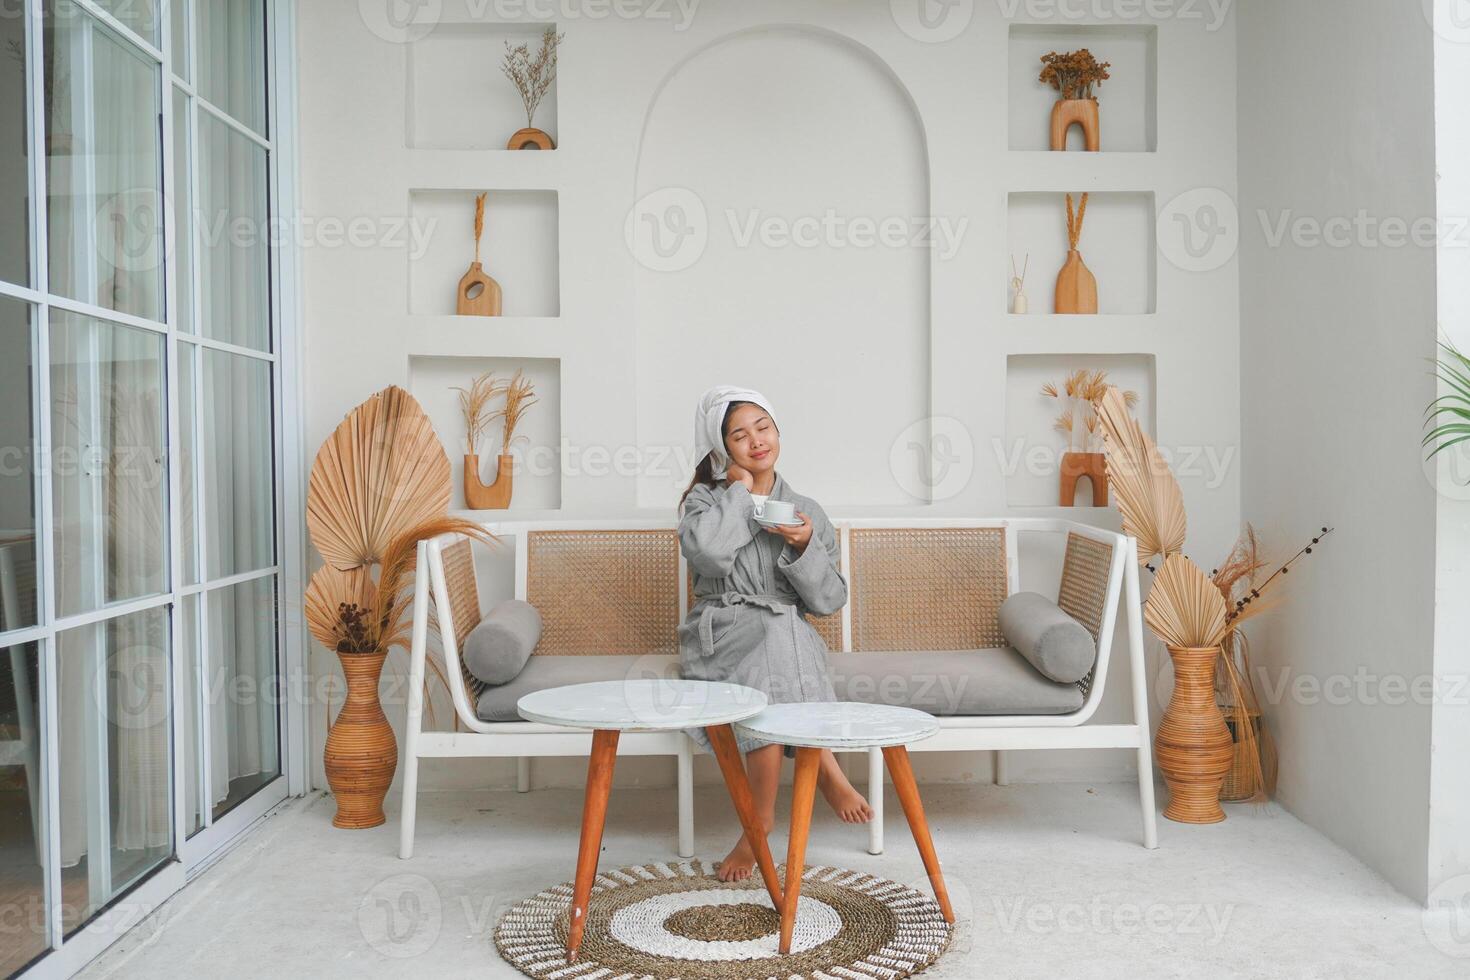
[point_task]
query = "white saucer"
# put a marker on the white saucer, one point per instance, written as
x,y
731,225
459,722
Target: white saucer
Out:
x,y
765,523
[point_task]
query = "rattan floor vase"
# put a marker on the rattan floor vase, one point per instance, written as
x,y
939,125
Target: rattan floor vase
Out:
x,y
361,754
1193,744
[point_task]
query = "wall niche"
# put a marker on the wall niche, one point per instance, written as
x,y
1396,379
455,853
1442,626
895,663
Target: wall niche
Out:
x,y
519,249
457,97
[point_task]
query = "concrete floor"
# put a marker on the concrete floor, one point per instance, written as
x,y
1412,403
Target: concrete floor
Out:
x,y
1048,880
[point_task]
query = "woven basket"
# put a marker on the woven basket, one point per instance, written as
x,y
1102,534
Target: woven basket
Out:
x,y
1240,782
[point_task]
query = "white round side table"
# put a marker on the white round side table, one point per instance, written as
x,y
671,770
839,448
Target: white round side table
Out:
x,y
813,726
610,708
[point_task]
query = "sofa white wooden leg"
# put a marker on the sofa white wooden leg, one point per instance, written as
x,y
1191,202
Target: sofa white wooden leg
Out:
x,y
1146,797
409,807
685,782
1002,770
523,774
1133,602
414,718
875,800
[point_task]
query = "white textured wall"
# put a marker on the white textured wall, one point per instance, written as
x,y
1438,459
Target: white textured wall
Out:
x,y
1449,800
359,130
1336,111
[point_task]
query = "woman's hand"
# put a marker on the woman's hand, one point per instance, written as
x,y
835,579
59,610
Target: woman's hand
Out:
x,y
739,474
797,537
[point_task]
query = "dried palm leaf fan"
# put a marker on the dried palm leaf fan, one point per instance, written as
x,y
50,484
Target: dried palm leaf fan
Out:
x,y
379,485
380,473
335,600
1184,608
1148,496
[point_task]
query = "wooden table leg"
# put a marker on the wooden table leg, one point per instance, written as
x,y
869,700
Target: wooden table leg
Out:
x,y
727,751
803,792
897,758
594,812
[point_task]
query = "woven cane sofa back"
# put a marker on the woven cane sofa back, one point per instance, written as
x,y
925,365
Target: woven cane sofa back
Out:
x,y
616,591
464,603
604,592
1083,594
927,588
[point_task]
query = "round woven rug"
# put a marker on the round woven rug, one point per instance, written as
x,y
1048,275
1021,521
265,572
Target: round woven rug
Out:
x,y
667,921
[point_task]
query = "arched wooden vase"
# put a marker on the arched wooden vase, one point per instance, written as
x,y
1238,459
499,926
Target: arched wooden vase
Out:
x,y
1193,744
1075,466
530,139
1075,112
496,496
1076,286
361,754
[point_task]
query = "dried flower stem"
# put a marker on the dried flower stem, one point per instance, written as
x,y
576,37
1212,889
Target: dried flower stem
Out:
x,y
532,77
1073,74
479,223
473,403
520,395
1074,222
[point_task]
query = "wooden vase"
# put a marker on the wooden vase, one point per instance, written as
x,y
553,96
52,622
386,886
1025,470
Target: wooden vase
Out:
x,y
1076,286
1075,466
1075,112
482,301
530,139
1193,744
361,754
496,496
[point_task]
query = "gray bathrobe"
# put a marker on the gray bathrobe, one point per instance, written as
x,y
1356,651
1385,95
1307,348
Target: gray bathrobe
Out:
x,y
752,593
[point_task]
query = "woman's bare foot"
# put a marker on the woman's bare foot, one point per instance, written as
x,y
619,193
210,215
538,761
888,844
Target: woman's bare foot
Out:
x,y
763,768
738,864
841,796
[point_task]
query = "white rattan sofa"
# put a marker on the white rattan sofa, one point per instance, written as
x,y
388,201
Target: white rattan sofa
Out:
x,y
612,592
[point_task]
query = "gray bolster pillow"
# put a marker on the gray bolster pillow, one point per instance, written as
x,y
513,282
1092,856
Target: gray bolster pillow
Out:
x,y
497,649
1054,643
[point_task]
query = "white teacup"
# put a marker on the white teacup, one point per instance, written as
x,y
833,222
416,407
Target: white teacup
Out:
x,y
777,511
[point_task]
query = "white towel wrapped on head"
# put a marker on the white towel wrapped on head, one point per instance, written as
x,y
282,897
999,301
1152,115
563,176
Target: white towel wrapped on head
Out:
x,y
709,421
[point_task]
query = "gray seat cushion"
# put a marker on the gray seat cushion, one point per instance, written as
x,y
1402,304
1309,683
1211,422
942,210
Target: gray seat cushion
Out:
x,y
499,703
942,682
952,682
497,649
1054,642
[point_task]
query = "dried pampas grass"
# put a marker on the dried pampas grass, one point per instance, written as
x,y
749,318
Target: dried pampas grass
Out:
x,y
520,395
474,404
1082,389
382,471
1148,496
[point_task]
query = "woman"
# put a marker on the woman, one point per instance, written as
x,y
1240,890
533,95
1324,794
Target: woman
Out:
x,y
753,587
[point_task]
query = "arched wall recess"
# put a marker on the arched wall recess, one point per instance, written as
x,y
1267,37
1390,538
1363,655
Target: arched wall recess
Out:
x,y
783,241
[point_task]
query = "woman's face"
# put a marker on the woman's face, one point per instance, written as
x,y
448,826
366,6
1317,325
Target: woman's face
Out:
x,y
751,439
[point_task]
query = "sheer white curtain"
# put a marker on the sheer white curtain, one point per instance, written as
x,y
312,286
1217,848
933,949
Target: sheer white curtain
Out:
x,y
111,536
236,421
237,454
108,434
